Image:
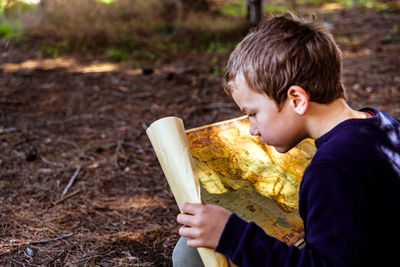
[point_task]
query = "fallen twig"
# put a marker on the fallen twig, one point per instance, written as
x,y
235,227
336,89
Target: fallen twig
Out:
x,y
50,240
61,165
8,130
43,241
67,196
69,142
71,181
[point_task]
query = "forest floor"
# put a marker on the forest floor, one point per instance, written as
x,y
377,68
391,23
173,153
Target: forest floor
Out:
x,y
65,119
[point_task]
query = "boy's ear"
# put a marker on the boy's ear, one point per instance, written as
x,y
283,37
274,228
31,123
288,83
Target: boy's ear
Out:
x,y
298,99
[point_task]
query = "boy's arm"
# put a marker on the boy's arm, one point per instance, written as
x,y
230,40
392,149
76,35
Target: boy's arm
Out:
x,y
245,243
334,234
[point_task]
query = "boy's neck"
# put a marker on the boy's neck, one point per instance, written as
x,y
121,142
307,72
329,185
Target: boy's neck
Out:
x,y
321,118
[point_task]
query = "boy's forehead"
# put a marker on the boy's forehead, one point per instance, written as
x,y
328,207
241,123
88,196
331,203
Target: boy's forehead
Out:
x,y
240,90
232,86
238,82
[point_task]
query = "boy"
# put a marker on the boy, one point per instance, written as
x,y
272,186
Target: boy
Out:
x,y
286,75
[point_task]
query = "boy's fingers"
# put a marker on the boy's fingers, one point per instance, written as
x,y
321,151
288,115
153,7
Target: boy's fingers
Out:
x,y
194,243
187,232
191,208
184,219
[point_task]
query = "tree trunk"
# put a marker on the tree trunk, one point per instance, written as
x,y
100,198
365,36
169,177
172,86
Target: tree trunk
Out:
x,y
254,12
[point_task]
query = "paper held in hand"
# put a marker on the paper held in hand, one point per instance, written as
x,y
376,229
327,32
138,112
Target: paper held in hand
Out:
x,y
169,141
221,163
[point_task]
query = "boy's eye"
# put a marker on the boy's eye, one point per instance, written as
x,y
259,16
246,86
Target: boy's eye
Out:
x,y
251,115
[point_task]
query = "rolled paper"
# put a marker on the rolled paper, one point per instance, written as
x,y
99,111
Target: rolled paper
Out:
x,y
168,138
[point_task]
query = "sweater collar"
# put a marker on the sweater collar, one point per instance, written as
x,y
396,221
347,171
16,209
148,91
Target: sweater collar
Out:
x,y
369,121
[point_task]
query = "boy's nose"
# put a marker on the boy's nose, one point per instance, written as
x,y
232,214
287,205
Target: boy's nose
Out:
x,y
254,130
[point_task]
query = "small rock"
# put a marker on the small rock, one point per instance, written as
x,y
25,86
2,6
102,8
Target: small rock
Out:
x,y
31,154
147,71
170,76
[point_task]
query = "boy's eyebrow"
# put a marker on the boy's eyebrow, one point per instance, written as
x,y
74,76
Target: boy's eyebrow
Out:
x,y
244,110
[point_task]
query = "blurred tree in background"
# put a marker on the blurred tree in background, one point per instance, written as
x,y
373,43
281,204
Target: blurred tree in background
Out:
x,y
124,27
254,11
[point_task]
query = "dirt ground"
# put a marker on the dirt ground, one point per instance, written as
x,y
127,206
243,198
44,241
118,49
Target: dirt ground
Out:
x,y
64,120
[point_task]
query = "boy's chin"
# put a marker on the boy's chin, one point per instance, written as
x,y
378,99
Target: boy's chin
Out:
x,y
281,149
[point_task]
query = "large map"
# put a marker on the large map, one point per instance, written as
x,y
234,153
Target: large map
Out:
x,y
246,176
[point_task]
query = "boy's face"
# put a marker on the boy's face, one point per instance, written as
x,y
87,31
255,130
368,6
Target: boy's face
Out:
x,y
280,129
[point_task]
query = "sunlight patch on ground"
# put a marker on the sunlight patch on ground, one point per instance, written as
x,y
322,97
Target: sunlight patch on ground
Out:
x,y
332,6
124,234
105,67
71,65
42,64
134,202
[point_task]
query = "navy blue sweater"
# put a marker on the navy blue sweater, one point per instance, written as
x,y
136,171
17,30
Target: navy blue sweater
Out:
x,y
349,200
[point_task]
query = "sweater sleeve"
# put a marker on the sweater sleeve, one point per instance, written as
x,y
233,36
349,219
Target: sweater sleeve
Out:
x,y
246,244
332,209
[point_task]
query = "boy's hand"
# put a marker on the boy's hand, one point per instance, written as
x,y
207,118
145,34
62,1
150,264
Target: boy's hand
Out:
x,y
202,224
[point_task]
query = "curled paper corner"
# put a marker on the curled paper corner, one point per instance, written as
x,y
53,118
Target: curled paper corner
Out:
x,y
168,137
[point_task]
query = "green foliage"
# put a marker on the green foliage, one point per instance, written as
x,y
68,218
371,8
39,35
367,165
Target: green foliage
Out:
x,y
3,184
178,45
235,9
380,6
220,47
374,4
276,9
149,55
311,2
394,35
156,30
117,54
5,30
218,71
343,39
39,54
53,50
11,29
11,8
125,29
